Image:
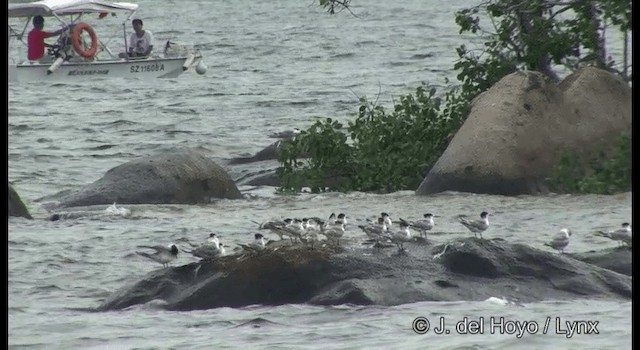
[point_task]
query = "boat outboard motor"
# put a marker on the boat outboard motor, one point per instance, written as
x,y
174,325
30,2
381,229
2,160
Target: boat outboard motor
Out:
x,y
59,51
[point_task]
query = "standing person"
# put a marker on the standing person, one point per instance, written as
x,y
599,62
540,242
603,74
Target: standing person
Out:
x,y
141,42
35,39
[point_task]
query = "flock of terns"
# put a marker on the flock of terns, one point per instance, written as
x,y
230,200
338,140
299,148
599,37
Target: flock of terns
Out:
x,y
307,231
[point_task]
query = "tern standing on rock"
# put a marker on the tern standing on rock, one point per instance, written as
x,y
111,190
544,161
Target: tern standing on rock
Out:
x,y
422,225
163,254
401,236
560,241
476,226
621,235
258,243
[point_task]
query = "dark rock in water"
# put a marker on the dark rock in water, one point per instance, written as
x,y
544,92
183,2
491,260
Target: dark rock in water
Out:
x,y
467,269
180,177
16,207
616,259
269,153
263,178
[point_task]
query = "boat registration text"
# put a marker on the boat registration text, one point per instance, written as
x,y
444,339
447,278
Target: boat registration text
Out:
x,y
143,68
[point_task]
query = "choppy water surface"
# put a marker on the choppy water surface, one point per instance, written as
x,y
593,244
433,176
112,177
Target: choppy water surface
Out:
x,y
272,66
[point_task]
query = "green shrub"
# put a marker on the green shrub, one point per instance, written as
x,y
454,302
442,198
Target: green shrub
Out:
x,y
605,173
380,151
386,151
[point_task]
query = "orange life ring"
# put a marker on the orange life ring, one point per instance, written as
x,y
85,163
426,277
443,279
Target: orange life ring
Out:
x,y
76,41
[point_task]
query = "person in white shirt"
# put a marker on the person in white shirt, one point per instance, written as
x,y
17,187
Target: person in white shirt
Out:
x,y
140,42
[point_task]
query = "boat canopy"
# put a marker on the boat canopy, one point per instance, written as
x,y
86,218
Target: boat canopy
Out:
x,y
68,7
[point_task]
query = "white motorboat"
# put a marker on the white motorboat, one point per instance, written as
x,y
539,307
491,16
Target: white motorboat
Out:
x,y
80,55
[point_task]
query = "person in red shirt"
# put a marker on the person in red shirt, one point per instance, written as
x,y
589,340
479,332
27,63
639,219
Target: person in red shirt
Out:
x,y
35,40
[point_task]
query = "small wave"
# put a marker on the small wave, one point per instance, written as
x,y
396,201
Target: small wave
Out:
x,y
116,123
421,56
343,55
100,148
47,288
20,127
258,322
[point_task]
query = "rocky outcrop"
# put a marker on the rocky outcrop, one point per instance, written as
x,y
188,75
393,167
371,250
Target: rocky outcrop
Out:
x,y
268,178
615,259
181,177
465,269
268,153
517,130
16,206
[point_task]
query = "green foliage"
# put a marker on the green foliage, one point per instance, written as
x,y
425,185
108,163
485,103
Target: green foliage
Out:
x,y
603,173
379,151
322,152
391,150
535,35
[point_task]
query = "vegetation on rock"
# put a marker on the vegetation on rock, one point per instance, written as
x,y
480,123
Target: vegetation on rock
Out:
x,y
604,173
388,150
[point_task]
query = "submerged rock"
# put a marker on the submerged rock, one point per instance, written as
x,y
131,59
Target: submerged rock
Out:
x,y
466,269
16,207
180,177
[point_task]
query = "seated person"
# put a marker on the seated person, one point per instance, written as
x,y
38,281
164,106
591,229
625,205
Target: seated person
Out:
x,y
141,41
35,39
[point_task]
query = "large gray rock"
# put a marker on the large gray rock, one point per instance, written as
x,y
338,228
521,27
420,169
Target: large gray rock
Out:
x,y
617,259
181,177
469,269
517,130
268,153
16,206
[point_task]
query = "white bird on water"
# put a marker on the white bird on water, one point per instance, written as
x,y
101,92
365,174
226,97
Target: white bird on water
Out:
x,y
163,254
213,239
560,240
476,226
621,235
113,209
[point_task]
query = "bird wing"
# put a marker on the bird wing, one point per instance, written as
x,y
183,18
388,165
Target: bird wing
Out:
x,y
466,222
423,224
560,240
246,246
146,255
475,224
289,231
157,248
206,251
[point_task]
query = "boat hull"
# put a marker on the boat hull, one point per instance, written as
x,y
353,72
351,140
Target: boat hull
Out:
x,y
86,71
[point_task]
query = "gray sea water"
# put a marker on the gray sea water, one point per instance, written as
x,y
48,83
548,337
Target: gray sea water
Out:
x,y
273,66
